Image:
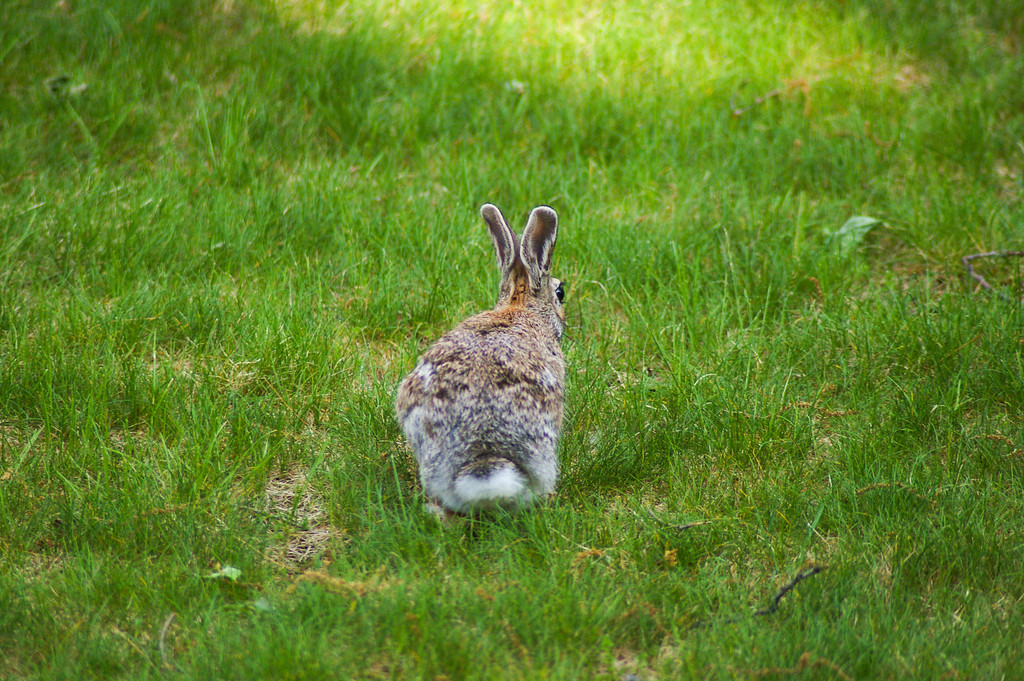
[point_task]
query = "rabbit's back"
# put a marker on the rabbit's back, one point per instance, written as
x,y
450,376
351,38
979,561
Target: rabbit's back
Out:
x,y
490,389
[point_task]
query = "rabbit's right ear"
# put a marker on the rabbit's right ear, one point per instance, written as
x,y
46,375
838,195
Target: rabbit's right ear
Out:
x,y
538,243
502,237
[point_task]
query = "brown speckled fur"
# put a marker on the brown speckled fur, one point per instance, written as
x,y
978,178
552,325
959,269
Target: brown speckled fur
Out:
x,y
485,401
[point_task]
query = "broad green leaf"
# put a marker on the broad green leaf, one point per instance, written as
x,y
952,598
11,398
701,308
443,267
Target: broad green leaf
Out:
x,y
849,237
226,572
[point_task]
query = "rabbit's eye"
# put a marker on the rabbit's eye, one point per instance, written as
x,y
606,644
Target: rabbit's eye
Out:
x,y
560,293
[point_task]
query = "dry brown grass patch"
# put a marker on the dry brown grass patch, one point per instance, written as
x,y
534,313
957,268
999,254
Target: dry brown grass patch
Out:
x,y
290,497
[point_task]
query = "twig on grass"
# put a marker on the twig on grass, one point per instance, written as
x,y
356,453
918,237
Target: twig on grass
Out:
x,y
801,576
966,260
772,607
163,641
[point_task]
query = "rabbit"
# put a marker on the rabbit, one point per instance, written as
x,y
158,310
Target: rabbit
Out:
x,y
482,410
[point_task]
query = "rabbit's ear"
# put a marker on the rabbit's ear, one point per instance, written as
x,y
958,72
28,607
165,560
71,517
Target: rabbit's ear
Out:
x,y
502,237
538,242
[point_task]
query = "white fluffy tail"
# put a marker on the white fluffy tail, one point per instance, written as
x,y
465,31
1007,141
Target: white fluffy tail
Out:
x,y
497,483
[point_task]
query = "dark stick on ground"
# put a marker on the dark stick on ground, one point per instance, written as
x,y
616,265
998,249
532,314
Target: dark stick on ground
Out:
x,y
966,260
772,607
801,576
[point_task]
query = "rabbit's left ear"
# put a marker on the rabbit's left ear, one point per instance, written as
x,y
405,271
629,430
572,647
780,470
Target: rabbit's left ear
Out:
x,y
502,237
538,242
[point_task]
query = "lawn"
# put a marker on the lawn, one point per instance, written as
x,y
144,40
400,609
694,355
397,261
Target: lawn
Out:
x,y
793,444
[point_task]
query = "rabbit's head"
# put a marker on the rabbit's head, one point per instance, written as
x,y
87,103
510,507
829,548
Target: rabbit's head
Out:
x,y
525,265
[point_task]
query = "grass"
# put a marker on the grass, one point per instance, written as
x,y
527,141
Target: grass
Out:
x,y
229,228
